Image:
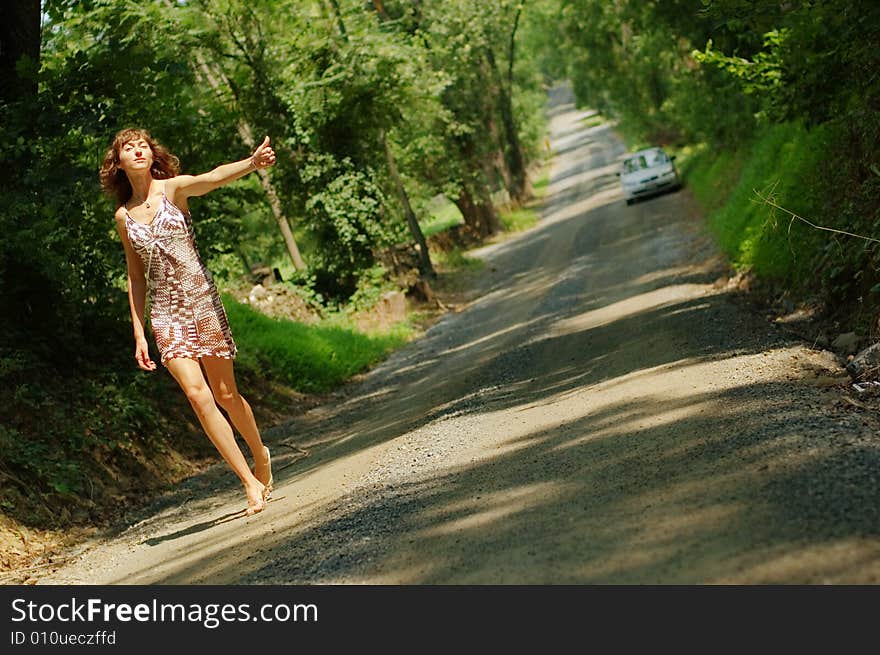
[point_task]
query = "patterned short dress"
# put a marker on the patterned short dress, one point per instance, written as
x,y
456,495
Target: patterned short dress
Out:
x,y
186,313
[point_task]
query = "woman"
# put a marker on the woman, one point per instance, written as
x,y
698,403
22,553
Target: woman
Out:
x,y
186,313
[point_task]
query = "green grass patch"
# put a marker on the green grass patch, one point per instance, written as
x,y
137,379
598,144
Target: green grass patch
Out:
x,y
592,120
518,219
456,260
781,163
444,215
541,185
310,358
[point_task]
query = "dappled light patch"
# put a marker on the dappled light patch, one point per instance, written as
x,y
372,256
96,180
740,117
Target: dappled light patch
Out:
x,y
631,306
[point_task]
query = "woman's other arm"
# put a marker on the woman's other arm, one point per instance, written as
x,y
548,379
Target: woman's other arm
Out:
x,y
137,295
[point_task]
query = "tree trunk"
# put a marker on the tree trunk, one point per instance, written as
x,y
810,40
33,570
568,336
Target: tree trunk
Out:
x,y
511,50
480,216
525,191
499,161
212,77
490,217
19,37
425,266
244,130
518,185
513,149
468,209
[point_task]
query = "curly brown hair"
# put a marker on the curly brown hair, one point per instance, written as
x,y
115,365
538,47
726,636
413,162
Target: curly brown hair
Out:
x,y
115,182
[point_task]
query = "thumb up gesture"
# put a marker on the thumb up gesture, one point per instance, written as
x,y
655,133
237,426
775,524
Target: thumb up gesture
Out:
x,y
263,156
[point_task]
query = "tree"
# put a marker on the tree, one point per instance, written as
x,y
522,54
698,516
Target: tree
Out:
x,y
239,27
19,50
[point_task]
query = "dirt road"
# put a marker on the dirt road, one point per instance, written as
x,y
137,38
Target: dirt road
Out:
x,y
600,413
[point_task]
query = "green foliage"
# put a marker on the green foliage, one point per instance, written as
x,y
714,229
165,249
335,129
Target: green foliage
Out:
x,y
304,284
540,37
492,123
786,165
372,284
779,165
345,213
761,76
443,216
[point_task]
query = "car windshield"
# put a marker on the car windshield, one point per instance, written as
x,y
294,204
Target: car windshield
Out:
x,y
645,160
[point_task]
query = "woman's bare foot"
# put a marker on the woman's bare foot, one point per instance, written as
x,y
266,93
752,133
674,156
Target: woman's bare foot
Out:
x,y
255,498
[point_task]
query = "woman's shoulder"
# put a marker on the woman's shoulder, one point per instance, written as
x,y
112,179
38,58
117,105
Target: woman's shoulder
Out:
x,y
120,218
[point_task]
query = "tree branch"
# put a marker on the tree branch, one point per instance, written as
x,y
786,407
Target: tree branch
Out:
x,y
794,216
511,49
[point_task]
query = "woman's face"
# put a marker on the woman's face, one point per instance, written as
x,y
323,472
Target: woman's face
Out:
x,y
135,155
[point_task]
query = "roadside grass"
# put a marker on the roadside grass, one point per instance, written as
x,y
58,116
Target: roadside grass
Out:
x,y
797,169
781,164
541,185
518,219
527,216
593,119
309,358
710,175
456,260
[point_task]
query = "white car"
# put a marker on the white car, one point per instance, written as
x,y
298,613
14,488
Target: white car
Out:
x,y
647,172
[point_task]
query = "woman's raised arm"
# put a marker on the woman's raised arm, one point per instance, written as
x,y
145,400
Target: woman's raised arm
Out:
x,y
185,186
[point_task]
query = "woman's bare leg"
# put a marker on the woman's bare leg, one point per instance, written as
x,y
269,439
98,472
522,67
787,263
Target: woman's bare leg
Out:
x,y
221,377
189,376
